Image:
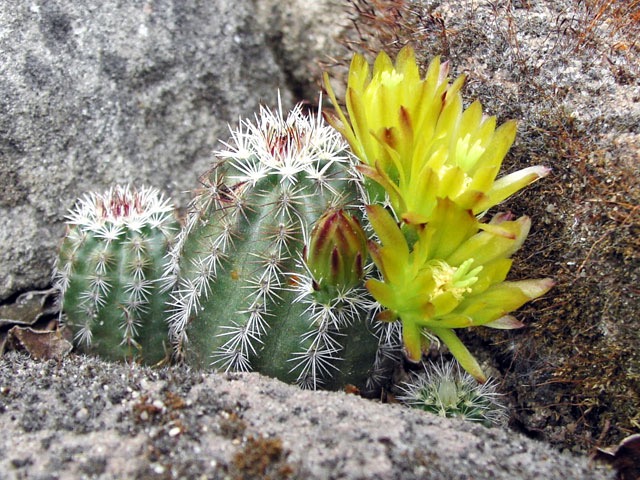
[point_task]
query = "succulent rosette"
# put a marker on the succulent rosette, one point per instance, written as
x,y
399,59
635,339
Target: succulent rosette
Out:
x,y
453,276
417,142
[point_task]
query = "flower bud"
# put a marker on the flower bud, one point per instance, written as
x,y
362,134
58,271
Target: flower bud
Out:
x,y
337,251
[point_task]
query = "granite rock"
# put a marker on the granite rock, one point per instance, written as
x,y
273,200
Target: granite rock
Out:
x,y
305,38
94,93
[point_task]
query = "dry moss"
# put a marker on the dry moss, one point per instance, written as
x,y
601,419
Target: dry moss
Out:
x,y
261,458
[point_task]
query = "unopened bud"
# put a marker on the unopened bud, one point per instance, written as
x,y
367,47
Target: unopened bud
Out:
x,y
337,251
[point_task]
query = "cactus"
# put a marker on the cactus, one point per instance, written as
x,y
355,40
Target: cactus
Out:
x,y
107,273
243,297
444,390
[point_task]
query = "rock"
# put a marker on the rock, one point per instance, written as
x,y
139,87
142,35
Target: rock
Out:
x,y
85,417
303,35
97,93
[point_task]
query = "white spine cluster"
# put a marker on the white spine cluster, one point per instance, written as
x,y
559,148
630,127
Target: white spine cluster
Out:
x,y
121,207
299,153
445,390
328,319
117,216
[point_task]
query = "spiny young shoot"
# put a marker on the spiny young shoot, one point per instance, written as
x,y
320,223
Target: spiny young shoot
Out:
x,y
445,390
108,271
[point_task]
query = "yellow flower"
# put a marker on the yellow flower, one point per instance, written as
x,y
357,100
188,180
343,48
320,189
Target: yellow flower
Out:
x,y
452,277
416,141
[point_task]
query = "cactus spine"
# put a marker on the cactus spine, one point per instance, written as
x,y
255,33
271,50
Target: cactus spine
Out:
x,y
243,298
444,390
107,272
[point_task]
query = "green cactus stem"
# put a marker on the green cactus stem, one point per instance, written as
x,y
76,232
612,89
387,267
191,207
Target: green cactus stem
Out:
x,y
107,272
243,298
445,390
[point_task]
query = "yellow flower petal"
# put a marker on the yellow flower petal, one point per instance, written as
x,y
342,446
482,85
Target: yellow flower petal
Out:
x,y
510,184
460,352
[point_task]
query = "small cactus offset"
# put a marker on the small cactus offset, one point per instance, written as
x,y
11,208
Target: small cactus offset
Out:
x,y
108,272
444,390
243,296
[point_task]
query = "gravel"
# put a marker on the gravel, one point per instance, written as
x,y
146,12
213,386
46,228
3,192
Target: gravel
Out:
x,y
84,418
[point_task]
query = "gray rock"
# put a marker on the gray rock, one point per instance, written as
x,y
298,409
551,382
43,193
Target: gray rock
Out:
x,y
94,93
86,418
304,35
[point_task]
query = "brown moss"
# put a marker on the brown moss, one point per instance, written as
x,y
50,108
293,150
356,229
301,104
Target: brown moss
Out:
x,y
231,425
261,458
391,24
583,334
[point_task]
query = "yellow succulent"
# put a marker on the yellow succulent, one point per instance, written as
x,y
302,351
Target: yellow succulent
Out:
x,y
416,141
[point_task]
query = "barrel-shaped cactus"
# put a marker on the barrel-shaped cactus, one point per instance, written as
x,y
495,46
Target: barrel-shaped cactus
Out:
x,y
108,271
243,297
